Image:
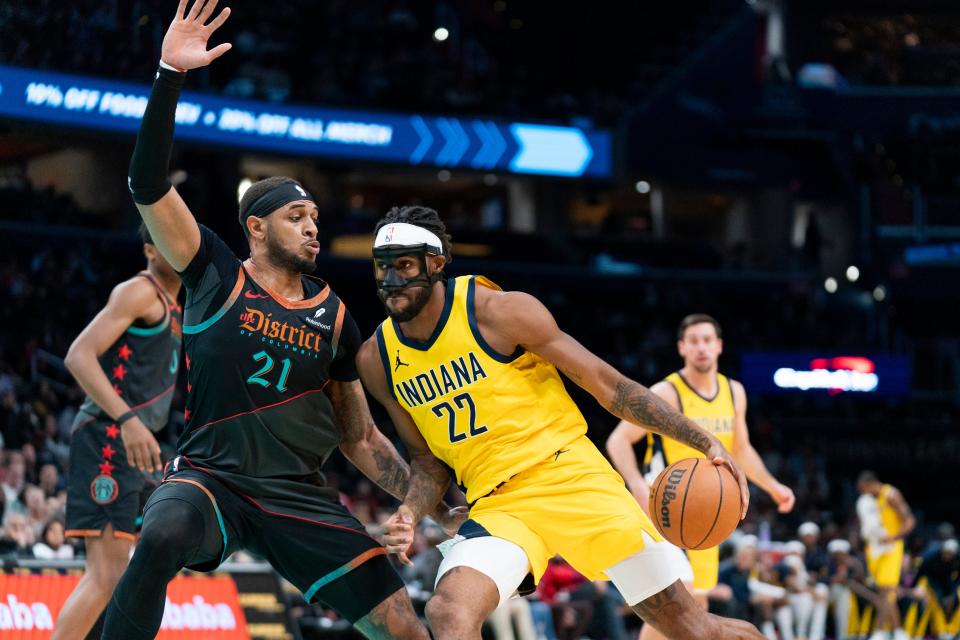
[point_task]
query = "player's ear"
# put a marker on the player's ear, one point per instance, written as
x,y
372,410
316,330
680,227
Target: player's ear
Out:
x,y
256,227
149,252
438,262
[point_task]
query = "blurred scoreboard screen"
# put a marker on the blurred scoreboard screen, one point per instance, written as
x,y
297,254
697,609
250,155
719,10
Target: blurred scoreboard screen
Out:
x,y
870,375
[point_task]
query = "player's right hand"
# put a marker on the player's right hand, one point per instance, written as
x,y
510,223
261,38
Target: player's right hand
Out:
x,y
185,44
143,452
398,533
720,456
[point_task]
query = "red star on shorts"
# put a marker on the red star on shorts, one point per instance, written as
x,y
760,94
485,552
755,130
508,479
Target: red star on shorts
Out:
x,y
112,431
117,390
125,352
189,387
106,468
187,358
107,452
186,414
119,372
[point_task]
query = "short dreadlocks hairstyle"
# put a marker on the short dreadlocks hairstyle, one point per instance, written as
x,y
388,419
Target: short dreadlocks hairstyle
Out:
x,y
423,217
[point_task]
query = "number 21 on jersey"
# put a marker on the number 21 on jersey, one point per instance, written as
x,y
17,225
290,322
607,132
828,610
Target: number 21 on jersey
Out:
x,y
267,359
459,425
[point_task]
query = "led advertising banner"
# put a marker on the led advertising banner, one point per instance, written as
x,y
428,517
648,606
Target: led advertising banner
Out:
x,y
409,139
201,607
858,375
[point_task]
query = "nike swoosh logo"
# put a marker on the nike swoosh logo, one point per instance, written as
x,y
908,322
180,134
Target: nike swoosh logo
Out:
x,y
254,296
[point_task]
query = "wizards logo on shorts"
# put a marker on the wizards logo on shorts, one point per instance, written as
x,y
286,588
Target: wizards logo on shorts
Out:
x,y
104,489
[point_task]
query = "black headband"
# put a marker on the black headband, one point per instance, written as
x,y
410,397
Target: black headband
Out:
x,y
274,199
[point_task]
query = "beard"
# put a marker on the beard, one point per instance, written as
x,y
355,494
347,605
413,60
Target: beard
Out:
x,y
419,297
703,369
286,259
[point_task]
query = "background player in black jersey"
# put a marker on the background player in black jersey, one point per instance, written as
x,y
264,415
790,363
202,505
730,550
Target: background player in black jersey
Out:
x,y
126,360
273,389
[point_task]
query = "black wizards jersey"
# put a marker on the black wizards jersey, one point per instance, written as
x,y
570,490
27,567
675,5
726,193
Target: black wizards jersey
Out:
x,y
257,364
142,365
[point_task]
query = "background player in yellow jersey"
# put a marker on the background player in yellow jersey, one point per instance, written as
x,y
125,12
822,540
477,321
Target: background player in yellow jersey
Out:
x,y
469,376
716,403
885,520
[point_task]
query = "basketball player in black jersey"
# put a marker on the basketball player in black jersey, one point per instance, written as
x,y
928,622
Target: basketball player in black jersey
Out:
x,y
126,360
273,389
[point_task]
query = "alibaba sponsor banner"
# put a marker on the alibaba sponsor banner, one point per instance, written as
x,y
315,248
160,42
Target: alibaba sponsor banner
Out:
x,y
197,607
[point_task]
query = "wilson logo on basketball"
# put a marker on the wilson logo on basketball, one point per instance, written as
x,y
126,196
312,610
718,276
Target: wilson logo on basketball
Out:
x,y
670,494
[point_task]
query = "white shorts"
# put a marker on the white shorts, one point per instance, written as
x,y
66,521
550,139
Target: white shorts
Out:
x,y
640,576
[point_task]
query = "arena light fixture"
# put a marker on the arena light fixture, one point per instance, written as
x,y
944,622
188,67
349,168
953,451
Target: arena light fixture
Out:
x,y
441,34
853,273
830,284
642,186
880,293
242,188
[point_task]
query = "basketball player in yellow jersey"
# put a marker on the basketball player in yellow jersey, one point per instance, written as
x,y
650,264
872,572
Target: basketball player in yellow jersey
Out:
x,y
716,403
469,377
885,520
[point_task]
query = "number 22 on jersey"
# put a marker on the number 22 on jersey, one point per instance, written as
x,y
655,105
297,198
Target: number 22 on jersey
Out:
x,y
458,429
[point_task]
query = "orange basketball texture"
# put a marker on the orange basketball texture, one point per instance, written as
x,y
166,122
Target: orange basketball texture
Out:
x,y
695,504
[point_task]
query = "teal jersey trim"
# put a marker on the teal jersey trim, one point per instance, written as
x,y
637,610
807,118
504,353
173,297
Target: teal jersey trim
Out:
x,y
149,331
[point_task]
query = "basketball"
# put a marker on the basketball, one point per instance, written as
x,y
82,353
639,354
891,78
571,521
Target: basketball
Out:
x,y
695,504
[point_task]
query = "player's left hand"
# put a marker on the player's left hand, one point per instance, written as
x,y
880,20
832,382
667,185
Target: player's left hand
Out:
x,y
451,519
783,496
185,43
720,456
398,533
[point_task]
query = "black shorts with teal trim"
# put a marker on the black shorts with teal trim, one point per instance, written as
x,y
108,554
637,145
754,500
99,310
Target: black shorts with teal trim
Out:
x,y
329,557
102,487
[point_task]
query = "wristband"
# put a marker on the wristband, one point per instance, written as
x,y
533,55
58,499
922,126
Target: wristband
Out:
x,y
124,417
171,67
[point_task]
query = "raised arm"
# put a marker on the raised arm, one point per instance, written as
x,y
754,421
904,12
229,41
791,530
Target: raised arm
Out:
x,y
620,445
748,458
522,320
429,479
129,301
172,226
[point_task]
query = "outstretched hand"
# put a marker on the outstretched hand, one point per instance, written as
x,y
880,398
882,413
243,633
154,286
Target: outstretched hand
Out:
x,y
185,44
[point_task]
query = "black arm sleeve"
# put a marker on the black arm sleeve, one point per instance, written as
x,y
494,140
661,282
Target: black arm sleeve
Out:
x,y
344,365
150,162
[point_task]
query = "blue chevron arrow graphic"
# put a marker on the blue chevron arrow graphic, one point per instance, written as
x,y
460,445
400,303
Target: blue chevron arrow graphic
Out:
x,y
426,139
461,139
448,138
499,144
480,160
561,151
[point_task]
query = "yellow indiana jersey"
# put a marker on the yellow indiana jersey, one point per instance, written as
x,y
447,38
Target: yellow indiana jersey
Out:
x,y
715,415
889,517
486,415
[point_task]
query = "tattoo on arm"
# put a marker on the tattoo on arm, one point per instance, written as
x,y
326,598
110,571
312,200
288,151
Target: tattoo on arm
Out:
x,y
660,607
635,403
428,482
393,472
